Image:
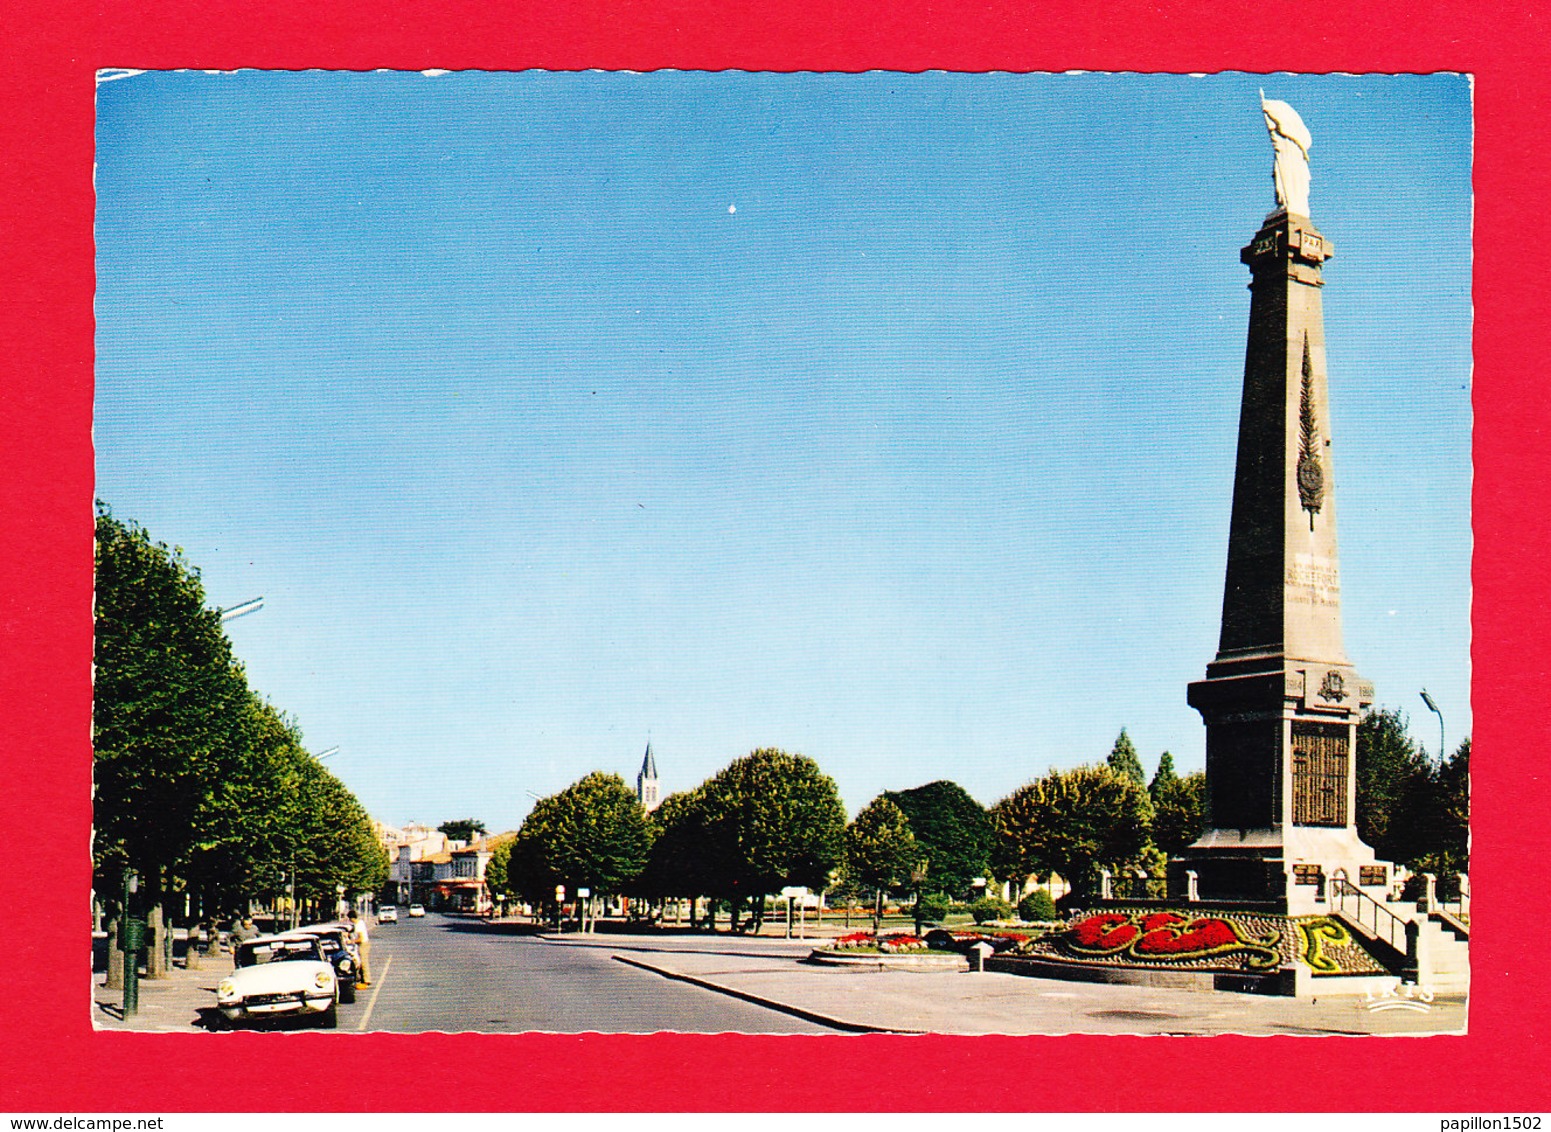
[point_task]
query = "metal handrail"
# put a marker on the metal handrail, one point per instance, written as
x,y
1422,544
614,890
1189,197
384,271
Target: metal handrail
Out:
x,y
1390,928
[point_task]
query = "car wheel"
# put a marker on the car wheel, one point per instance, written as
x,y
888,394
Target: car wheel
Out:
x,y
330,1018
347,992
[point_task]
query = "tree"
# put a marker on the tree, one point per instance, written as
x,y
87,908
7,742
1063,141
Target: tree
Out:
x,y
1179,807
200,785
953,832
679,863
497,869
1124,759
1392,786
772,820
880,850
1453,831
590,835
167,702
1073,823
466,830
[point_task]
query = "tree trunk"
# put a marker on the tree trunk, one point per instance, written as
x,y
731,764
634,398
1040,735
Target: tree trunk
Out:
x,y
115,979
155,931
877,912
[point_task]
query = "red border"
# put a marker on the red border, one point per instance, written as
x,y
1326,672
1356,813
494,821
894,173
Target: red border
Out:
x,y
55,1062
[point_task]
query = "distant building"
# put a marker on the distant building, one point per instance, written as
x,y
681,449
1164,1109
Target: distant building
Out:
x,y
646,787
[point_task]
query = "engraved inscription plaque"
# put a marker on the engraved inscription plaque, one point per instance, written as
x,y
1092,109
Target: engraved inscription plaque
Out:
x,y
1306,874
1320,758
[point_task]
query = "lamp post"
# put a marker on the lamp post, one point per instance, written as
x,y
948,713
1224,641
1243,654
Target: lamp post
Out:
x,y
1432,707
131,938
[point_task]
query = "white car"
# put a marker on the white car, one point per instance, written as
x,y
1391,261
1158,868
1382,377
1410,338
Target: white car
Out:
x,y
416,911
279,976
388,915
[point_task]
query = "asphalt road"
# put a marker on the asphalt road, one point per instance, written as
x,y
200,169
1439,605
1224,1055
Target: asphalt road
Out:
x,y
448,974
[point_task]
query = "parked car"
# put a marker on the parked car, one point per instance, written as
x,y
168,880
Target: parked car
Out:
x,y
280,976
388,915
416,911
339,951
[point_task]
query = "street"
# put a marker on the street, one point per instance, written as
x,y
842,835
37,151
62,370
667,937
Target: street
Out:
x,y
453,974
457,974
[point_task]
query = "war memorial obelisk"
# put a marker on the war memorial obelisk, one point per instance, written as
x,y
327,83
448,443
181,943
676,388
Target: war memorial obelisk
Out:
x,y
1281,700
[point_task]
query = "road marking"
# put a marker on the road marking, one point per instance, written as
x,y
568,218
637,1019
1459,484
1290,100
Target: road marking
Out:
x,y
372,1005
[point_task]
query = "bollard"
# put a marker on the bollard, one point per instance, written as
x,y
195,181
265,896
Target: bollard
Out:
x,y
980,951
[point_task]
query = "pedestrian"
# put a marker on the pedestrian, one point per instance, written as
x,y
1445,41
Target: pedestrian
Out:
x,y
363,947
245,930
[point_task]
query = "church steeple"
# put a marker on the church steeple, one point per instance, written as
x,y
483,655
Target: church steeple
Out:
x,y
646,788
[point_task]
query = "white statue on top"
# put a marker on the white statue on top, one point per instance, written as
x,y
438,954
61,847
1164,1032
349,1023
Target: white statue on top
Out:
x,y
1290,138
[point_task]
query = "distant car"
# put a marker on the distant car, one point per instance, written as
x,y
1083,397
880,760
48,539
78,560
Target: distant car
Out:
x,y
280,976
388,915
339,951
416,911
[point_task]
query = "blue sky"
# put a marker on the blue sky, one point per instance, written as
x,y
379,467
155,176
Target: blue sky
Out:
x,y
885,418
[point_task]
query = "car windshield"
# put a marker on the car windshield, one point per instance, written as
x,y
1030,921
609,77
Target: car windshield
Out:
x,y
277,951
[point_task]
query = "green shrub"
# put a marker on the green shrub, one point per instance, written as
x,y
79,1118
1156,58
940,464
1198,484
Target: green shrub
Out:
x,y
990,908
933,907
1037,907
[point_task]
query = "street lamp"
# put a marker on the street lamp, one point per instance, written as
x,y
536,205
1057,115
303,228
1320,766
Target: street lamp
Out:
x,y
321,755
1432,707
232,612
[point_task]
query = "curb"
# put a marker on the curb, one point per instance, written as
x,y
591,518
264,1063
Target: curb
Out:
x,y
767,1003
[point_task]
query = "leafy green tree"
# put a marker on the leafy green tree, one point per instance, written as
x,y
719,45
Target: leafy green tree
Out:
x,y
1073,823
592,834
679,863
881,852
497,870
1124,759
953,832
167,703
466,830
1392,786
1453,792
773,820
1179,807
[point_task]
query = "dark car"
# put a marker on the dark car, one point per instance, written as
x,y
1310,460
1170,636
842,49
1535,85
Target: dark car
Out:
x,y
340,952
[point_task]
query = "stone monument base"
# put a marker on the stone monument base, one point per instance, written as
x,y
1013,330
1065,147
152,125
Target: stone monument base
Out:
x,y
1267,868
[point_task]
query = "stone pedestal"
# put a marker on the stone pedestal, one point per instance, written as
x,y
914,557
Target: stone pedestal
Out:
x,y
1280,700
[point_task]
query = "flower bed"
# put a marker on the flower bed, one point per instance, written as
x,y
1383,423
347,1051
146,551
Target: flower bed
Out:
x,y
895,944
1186,940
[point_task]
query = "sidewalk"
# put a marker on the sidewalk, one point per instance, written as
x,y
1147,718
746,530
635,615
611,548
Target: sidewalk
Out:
x,y
181,1002
768,971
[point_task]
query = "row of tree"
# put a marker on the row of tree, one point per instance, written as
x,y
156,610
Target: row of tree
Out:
x,y
773,820
201,788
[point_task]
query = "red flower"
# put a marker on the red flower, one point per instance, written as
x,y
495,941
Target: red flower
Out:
x,y
1198,936
1105,932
